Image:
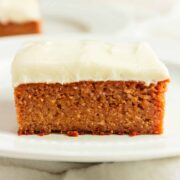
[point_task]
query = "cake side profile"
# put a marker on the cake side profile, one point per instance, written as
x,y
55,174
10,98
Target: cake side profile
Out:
x,y
89,87
19,17
91,108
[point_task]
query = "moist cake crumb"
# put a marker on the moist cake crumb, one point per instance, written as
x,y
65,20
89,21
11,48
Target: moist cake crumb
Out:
x,y
87,107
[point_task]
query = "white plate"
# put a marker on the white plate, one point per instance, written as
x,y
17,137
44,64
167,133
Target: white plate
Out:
x,y
84,148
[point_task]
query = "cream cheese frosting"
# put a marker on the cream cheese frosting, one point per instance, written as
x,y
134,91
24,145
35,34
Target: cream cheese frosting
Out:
x,y
77,60
19,11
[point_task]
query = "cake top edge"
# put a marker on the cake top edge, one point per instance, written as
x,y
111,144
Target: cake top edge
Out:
x,y
68,60
19,11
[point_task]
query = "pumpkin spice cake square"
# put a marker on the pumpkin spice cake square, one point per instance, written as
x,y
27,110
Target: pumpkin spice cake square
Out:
x,y
89,87
19,17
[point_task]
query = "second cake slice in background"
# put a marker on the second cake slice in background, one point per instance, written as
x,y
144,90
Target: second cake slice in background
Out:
x,y
19,17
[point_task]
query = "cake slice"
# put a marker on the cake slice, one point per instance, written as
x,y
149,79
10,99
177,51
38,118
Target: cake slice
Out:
x,y
89,87
19,17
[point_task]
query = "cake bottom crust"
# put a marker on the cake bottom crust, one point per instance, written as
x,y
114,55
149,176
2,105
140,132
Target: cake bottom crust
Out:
x,y
88,107
9,29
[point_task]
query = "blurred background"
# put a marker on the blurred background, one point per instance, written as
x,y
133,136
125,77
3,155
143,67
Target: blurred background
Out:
x,y
137,19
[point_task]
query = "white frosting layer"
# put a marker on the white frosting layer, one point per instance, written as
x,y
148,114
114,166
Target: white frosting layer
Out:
x,y
72,61
19,11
